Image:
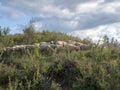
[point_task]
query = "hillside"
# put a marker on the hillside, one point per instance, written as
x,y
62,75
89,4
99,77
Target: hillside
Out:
x,y
64,68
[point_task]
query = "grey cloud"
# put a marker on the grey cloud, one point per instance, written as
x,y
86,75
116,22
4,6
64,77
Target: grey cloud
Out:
x,y
107,1
71,4
52,23
94,20
9,13
55,19
84,22
35,7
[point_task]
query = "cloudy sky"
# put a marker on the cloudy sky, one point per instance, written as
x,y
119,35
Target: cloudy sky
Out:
x,y
82,18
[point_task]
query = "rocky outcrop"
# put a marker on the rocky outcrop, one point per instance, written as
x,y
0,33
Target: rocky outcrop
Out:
x,y
51,46
44,47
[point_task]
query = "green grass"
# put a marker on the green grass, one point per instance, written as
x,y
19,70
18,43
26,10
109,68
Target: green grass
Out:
x,y
95,69
62,69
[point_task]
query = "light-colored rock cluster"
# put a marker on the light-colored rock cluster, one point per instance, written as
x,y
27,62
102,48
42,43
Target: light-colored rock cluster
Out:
x,y
51,46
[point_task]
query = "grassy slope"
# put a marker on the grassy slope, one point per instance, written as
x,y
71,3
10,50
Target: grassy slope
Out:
x,y
95,69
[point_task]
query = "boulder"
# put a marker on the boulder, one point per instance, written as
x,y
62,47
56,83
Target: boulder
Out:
x,y
30,46
43,43
52,42
78,44
71,42
45,47
19,48
53,46
73,47
84,47
8,49
63,43
36,44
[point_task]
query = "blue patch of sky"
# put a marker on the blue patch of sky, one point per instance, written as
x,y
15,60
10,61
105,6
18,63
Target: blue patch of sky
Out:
x,y
17,25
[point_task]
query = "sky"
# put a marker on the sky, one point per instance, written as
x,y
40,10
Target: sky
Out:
x,y
81,18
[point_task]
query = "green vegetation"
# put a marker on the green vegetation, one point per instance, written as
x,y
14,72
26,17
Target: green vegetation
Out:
x,y
94,69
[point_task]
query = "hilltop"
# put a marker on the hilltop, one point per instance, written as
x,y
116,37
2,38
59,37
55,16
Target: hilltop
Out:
x,y
69,63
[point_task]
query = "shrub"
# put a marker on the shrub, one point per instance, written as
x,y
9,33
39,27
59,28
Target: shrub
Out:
x,y
65,72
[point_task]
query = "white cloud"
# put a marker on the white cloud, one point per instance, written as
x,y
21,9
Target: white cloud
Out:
x,y
56,11
86,7
95,34
37,25
98,6
71,24
112,7
89,7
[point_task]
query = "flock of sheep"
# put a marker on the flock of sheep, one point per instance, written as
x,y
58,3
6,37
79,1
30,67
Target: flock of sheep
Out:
x,y
51,46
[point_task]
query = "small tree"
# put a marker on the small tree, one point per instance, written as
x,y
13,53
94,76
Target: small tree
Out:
x,y
29,32
106,41
4,31
30,29
0,31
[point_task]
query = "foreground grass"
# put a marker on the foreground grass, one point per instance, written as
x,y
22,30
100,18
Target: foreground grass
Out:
x,y
95,69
